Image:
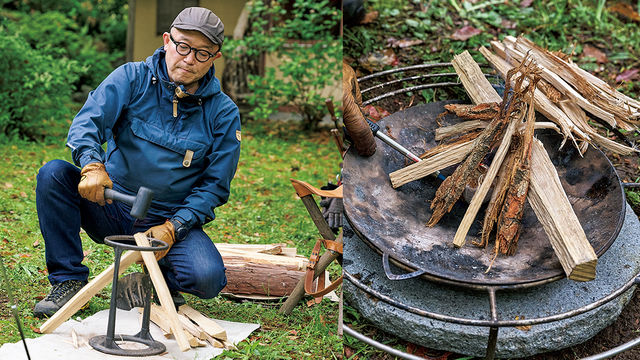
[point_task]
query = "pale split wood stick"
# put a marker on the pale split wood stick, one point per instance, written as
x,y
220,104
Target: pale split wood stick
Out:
x,y
470,215
552,207
209,325
418,170
158,317
459,128
477,86
163,292
466,126
87,292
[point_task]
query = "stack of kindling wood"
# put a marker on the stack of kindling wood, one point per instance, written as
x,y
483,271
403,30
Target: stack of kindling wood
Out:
x,y
521,169
566,91
197,328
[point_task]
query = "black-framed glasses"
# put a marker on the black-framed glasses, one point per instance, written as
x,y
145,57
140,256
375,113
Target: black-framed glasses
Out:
x,y
184,49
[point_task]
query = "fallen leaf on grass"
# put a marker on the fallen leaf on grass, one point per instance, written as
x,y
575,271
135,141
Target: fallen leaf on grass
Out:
x,y
36,243
424,352
626,10
525,3
349,353
403,43
377,60
375,112
507,24
523,327
369,17
590,51
8,185
23,194
465,32
25,255
628,75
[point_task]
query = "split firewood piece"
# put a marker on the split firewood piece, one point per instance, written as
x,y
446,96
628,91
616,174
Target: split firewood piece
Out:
x,y
503,179
163,292
190,327
272,249
468,137
473,80
459,128
213,341
552,207
195,342
579,117
209,325
427,167
481,192
158,317
509,226
469,127
486,111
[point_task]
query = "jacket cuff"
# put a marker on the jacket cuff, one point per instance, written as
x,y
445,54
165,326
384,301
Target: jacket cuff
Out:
x,y
186,217
88,158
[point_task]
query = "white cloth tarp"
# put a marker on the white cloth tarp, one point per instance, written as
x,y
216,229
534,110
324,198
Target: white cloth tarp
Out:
x,y
60,343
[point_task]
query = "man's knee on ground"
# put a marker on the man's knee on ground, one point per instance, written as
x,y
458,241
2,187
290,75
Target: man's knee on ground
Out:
x,y
210,281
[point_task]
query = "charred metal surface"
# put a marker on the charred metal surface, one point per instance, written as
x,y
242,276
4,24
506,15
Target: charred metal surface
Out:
x,y
393,220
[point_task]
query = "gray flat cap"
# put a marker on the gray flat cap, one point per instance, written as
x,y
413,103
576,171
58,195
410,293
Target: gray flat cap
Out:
x,y
203,20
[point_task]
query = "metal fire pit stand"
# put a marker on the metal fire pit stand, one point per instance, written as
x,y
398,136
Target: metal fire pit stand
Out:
x,y
495,323
107,343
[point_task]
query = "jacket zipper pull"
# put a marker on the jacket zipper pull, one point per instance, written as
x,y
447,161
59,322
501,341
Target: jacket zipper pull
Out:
x,y
175,106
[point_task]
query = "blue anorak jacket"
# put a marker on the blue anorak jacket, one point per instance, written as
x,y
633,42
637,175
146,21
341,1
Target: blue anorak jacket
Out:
x,y
184,149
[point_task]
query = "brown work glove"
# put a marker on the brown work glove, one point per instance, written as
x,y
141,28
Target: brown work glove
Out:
x,y
93,180
164,232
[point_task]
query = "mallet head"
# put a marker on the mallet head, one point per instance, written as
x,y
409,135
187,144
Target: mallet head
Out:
x,y
141,203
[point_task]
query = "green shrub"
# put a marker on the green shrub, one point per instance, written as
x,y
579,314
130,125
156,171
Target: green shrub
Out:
x,y
105,20
310,56
57,35
35,86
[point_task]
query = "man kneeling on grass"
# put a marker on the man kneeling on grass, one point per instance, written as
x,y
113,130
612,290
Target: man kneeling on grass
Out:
x,y
168,127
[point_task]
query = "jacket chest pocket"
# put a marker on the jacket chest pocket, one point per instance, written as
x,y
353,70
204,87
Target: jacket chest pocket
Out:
x,y
182,151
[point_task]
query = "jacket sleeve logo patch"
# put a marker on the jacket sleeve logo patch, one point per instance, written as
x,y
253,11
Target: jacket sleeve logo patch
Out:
x,y
238,135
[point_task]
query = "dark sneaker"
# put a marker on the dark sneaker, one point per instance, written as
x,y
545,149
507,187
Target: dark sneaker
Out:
x,y
59,295
176,296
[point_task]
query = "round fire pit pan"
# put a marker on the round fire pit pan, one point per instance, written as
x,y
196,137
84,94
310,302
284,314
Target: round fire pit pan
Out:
x,y
393,221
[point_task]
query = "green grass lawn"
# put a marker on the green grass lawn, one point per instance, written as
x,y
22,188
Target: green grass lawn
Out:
x,y
262,208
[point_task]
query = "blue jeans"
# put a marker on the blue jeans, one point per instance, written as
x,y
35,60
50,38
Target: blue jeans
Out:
x,y
192,265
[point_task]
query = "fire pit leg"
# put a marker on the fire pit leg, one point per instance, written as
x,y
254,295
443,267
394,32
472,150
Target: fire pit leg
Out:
x,y
493,331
